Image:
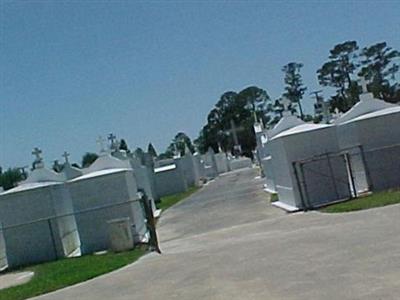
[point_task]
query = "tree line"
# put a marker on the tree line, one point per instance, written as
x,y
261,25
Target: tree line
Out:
x,y
346,63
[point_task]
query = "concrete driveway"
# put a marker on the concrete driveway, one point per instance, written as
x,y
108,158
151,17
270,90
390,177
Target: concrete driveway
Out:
x,y
227,242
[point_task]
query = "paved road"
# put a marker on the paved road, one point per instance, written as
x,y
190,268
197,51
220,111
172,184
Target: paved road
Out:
x,y
226,242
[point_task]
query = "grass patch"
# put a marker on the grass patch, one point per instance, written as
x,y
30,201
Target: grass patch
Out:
x,y
371,201
55,275
274,197
168,201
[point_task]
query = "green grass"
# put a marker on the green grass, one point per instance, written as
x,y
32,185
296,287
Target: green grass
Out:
x,y
371,201
54,275
274,198
168,201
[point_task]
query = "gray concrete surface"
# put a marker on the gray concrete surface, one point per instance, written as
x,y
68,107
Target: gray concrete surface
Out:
x,y
226,242
16,278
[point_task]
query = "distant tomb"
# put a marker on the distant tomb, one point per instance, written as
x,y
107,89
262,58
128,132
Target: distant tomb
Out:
x,y
210,165
169,177
236,163
189,165
221,161
106,191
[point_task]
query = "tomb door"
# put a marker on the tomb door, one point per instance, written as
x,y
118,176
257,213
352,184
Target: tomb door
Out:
x,y
324,179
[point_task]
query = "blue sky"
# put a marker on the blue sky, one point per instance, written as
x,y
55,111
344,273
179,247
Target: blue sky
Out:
x,y
71,71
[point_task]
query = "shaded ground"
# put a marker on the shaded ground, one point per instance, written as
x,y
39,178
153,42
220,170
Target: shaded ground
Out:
x,y
227,242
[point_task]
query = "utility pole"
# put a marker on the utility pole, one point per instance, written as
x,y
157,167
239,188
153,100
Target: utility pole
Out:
x,y
321,107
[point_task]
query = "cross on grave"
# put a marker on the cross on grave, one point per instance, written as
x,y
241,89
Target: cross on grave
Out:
x,y
38,162
100,141
364,84
236,147
36,152
113,141
65,155
111,137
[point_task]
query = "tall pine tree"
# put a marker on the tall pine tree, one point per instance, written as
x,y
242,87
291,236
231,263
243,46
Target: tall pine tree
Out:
x,y
294,84
151,150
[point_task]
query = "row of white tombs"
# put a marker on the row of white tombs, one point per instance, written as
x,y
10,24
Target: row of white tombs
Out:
x,y
81,211
312,165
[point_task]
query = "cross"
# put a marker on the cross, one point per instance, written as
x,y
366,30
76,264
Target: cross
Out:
x,y
237,148
100,141
111,137
36,151
364,84
113,141
65,155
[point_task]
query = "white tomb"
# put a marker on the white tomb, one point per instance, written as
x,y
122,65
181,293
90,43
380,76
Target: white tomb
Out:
x,y
210,166
38,220
236,163
169,177
144,177
287,122
200,165
305,142
221,161
373,125
259,131
106,191
189,165
367,104
299,183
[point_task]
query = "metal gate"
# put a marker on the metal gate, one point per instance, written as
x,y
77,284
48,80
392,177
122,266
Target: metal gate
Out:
x,y
331,177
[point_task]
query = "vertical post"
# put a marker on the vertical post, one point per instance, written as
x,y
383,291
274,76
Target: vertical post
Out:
x,y
350,169
53,241
333,176
151,224
366,168
307,196
299,186
3,257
